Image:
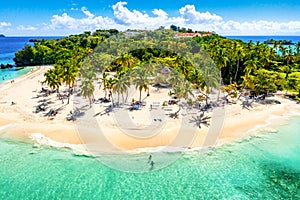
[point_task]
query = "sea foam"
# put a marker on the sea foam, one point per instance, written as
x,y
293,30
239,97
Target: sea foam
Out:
x,y
40,139
7,126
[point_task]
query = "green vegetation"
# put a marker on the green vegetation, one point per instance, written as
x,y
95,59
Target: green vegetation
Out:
x,y
5,66
284,42
240,65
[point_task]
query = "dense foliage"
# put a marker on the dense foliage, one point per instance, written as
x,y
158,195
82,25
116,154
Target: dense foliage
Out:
x,y
256,66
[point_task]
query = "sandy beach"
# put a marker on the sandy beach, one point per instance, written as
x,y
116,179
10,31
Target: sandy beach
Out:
x,y
123,129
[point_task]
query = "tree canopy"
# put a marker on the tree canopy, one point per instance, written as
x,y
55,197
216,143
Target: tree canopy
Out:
x,y
255,66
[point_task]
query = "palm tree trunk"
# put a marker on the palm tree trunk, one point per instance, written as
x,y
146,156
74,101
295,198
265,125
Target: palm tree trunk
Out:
x,y
126,98
140,95
237,69
220,83
123,98
111,96
105,93
90,100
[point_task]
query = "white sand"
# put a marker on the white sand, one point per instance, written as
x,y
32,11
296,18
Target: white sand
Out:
x,y
123,129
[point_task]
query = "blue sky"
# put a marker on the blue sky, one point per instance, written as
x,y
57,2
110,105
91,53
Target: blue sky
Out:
x,y
231,17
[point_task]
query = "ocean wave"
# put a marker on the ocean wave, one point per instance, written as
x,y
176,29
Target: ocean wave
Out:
x,y
7,126
82,150
168,149
77,149
273,122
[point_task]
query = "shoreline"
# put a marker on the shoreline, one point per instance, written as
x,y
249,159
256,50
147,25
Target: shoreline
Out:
x,y
80,149
28,126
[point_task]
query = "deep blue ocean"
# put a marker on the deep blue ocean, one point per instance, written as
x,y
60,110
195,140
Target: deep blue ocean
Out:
x,y
8,47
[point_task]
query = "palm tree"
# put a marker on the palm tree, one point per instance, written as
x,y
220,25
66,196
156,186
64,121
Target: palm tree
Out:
x,y
87,90
53,78
175,78
72,71
150,68
221,60
282,49
183,90
126,60
297,47
239,56
289,56
103,82
121,86
140,80
110,84
251,64
87,86
275,45
88,76
250,68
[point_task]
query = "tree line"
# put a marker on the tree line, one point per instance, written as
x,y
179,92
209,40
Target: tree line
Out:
x,y
90,56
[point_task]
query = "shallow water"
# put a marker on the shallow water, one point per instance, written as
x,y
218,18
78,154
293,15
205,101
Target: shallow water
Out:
x,y
262,167
12,73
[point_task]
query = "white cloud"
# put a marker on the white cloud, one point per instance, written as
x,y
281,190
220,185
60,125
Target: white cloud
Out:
x,y
63,21
192,16
160,13
87,13
124,16
139,20
26,28
189,17
90,22
4,24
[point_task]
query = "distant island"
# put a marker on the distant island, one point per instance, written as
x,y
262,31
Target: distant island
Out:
x,y
36,40
284,42
1,35
5,66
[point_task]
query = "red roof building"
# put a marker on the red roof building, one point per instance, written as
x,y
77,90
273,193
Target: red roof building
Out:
x,y
178,35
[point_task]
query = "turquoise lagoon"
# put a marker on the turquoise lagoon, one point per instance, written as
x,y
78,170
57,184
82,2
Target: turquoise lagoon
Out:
x,y
12,73
261,167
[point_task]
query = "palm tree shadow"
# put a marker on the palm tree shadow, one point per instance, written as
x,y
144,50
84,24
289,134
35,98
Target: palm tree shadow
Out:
x,y
200,120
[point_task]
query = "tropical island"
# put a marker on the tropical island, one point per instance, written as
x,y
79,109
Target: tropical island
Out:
x,y
283,42
159,81
1,35
5,66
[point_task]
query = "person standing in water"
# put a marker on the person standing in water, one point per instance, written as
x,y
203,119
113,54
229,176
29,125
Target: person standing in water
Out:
x,y
152,164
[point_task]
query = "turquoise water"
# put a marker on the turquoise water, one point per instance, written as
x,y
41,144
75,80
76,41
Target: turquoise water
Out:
x,y
9,74
263,167
261,39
